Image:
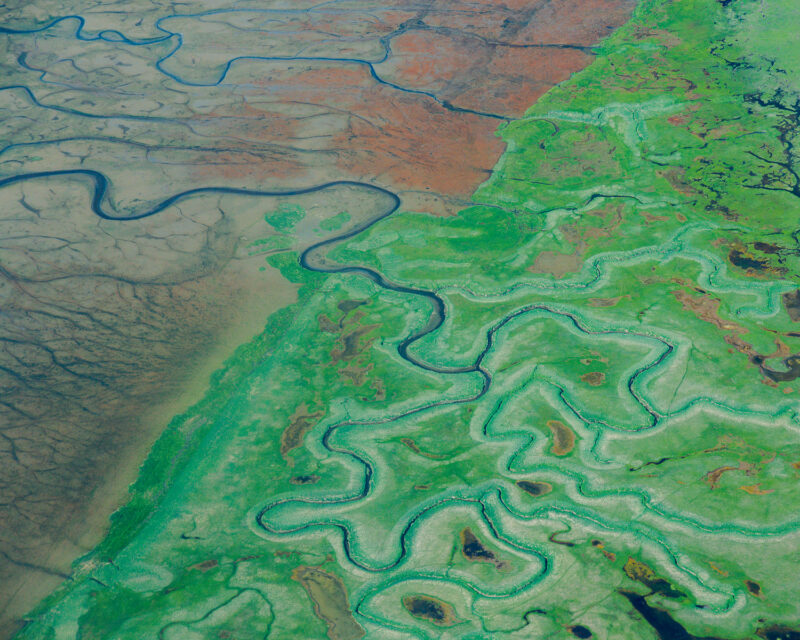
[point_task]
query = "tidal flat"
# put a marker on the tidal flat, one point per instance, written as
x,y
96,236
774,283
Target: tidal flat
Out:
x,y
527,278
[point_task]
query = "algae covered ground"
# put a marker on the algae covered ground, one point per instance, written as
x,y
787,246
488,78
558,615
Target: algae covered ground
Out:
x,y
569,410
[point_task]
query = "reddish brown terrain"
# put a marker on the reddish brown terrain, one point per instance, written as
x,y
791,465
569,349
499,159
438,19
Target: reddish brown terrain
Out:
x,y
423,120
108,325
